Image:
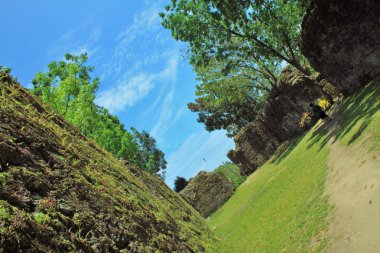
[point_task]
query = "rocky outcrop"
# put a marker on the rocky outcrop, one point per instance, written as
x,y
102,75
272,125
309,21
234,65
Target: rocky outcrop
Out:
x,y
279,122
341,40
206,192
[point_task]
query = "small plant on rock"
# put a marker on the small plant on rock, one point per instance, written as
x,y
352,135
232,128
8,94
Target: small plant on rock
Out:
x,y
306,120
41,217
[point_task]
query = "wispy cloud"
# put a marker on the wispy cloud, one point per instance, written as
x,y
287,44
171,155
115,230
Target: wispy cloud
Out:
x,y
201,151
126,93
132,87
138,63
69,43
168,117
146,20
136,43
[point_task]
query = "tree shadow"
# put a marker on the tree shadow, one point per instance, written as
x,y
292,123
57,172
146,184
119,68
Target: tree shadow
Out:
x,y
355,112
360,107
285,149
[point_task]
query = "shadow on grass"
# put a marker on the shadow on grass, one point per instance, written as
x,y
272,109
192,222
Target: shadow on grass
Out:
x,y
359,107
356,111
284,150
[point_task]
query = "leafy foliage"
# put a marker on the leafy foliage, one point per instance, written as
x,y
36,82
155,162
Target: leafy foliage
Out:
x,y
180,183
226,102
68,88
149,156
243,43
255,33
5,69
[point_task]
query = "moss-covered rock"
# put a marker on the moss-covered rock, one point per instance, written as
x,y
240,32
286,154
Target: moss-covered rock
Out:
x,y
206,192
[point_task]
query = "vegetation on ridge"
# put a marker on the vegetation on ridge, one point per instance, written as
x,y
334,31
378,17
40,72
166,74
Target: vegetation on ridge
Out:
x,y
232,173
68,88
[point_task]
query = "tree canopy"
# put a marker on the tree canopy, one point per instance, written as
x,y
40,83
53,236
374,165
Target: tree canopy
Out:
x,y
242,43
69,89
180,183
258,32
149,156
227,101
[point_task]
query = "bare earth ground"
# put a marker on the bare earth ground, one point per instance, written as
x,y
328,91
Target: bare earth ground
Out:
x,y
353,187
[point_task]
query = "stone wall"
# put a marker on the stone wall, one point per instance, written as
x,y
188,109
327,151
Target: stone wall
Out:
x,y
279,122
341,40
207,192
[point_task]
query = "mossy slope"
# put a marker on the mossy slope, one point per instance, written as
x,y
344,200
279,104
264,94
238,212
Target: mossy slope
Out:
x,y
60,192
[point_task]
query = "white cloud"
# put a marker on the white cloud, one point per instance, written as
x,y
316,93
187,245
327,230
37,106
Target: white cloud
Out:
x,y
144,21
69,43
136,64
201,151
169,115
126,92
131,88
139,34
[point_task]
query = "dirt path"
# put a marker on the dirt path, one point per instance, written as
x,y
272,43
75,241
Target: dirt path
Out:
x,y
353,184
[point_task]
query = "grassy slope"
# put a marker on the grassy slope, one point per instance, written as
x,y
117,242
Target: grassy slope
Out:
x,y
231,171
60,192
281,207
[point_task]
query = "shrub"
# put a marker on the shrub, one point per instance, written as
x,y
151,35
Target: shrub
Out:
x,y
306,120
5,69
180,183
41,217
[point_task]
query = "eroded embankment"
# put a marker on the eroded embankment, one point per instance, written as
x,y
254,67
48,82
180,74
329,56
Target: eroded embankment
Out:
x,y
60,192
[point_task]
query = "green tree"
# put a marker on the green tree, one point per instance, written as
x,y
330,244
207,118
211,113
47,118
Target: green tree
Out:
x,y
263,32
69,89
227,101
150,157
180,183
5,69
242,43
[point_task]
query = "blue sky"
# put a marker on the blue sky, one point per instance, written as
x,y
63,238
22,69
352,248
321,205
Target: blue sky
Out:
x,y
145,79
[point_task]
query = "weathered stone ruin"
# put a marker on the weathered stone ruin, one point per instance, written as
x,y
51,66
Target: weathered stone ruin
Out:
x,y
341,40
206,192
279,122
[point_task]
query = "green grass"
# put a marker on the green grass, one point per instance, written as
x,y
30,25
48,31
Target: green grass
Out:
x,y
281,207
356,118
232,172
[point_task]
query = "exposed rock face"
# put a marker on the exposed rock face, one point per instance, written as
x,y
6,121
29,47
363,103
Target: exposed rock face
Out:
x,y
258,141
60,192
207,192
341,40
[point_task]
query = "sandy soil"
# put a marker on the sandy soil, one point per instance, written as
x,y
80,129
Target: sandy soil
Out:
x,y
353,186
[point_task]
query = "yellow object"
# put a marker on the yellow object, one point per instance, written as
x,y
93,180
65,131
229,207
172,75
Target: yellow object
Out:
x,y
324,103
